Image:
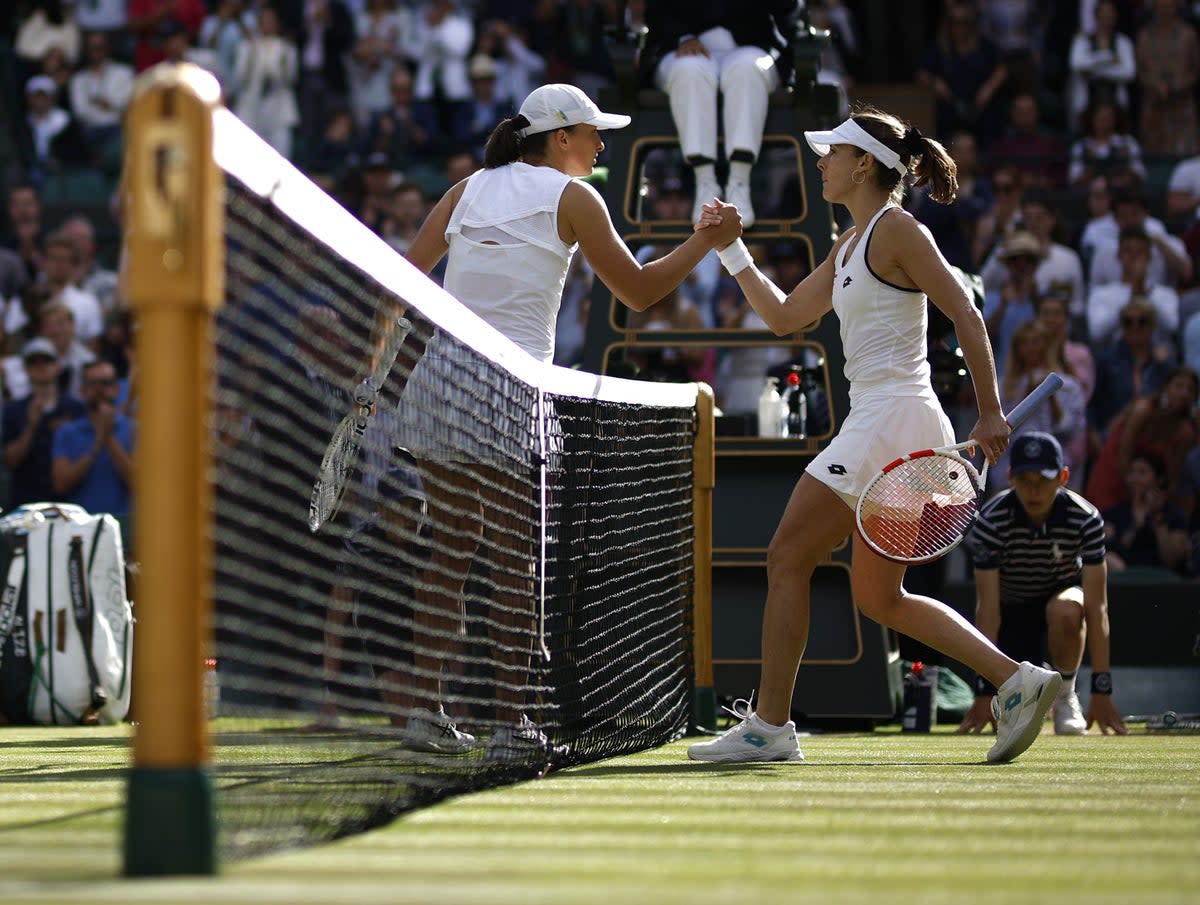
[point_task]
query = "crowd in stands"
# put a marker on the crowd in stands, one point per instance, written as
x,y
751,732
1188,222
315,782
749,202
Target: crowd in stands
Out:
x,y
1074,127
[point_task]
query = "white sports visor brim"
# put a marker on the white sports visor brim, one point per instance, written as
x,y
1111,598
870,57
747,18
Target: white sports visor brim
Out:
x,y
851,133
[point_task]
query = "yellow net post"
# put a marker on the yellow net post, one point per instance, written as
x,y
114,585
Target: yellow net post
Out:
x,y
704,704
172,276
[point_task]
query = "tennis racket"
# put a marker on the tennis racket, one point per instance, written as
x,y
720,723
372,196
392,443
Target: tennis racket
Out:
x,y
1166,722
920,506
341,455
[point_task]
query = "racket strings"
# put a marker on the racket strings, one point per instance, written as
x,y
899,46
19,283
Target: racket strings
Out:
x,y
921,507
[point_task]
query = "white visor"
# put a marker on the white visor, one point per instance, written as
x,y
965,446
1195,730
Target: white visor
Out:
x,y
851,133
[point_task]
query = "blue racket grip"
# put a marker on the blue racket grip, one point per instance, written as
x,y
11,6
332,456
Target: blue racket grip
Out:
x,y
1027,406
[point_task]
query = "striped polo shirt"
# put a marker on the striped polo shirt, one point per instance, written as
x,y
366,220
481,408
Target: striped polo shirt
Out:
x,y
1036,562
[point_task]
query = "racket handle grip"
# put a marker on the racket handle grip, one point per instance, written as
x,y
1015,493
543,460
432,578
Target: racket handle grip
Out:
x,y
1027,406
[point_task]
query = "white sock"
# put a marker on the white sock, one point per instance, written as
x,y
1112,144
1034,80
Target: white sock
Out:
x,y
705,172
770,727
1068,685
739,171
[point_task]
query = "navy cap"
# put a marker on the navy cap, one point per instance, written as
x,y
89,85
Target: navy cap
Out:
x,y
1036,451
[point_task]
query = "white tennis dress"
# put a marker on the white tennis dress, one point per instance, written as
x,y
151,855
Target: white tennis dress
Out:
x,y
508,264
893,409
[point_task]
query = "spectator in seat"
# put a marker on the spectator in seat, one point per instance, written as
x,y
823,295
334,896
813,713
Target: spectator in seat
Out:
x,y
100,92
1159,421
1010,301
1146,529
93,455
1031,147
52,137
152,21
965,71
1106,302
56,322
90,276
60,271
439,45
1168,63
266,72
1103,64
1059,268
1106,148
1170,264
30,421
1131,366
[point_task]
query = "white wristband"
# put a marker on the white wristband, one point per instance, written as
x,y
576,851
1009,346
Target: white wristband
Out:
x,y
735,257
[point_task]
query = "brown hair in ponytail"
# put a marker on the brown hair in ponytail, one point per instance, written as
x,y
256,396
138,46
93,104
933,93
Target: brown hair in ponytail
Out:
x,y
928,162
504,146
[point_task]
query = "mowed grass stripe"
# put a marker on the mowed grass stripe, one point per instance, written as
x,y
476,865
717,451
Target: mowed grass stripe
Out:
x,y
869,818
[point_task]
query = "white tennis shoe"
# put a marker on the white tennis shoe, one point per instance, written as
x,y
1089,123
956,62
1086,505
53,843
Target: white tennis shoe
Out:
x,y
750,741
739,195
1068,714
1020,708
524,743
434,732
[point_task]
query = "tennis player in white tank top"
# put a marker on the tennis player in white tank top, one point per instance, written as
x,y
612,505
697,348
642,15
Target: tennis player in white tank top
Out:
x,y
876,279
511,230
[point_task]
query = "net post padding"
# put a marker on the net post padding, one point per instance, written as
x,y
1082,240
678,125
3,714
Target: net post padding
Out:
x,y
173,278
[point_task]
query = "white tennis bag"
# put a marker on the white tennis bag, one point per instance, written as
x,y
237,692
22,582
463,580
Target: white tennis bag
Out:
x,y
66,624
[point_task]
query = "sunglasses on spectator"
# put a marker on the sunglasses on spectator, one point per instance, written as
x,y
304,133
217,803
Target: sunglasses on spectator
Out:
x,y
1135,322
1005,186
102,382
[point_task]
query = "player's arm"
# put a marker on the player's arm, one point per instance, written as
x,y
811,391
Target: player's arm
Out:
x,y
583,217
912,250
987,620
1101,708
785,314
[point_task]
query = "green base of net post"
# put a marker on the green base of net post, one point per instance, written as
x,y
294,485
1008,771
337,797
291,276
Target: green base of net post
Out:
x,y
170,823
704,708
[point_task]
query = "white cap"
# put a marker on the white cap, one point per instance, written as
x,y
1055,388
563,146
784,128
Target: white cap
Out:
x,y
41,83
851,133
558,106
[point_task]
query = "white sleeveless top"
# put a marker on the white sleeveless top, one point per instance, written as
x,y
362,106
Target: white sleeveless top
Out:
x,y
883,326
506,261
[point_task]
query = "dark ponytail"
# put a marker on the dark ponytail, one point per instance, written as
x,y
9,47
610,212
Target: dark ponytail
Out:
x,y
504,146
927,161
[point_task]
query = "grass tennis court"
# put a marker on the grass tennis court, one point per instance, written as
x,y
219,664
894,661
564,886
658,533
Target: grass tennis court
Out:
x,y
880,817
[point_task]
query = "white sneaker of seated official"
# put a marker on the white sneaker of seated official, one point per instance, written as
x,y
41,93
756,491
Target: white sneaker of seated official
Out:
x,y
705,192
1068,714
738,194
750,741
434,732
1020,707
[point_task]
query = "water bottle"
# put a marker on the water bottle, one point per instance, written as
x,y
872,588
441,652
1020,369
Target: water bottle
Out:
x,y
795,404
770,410
212,689
919,710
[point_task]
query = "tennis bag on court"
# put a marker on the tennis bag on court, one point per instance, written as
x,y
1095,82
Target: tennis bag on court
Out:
x,y
66,624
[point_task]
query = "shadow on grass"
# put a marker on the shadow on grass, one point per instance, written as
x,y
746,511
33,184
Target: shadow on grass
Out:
x,y
80,741
703,767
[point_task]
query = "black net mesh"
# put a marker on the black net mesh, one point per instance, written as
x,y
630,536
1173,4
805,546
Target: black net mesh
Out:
x,y
520,559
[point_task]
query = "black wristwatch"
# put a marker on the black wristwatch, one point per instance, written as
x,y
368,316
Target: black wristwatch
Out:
x,y
1102,683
